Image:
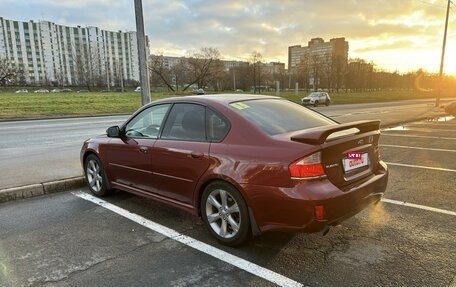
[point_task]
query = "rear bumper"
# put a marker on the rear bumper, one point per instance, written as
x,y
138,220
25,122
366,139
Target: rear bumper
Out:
x,y
292,209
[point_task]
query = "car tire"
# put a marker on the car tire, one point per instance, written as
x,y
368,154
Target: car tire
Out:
x,y
225,213
95,176
315,103
327,103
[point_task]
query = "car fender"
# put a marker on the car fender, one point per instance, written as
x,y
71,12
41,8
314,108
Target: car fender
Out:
x,y
206,179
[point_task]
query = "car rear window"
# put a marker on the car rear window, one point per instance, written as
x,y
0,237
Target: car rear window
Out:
x,y
276,116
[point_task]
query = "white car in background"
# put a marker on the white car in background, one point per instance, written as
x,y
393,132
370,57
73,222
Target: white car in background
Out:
x,y
316,98
41,91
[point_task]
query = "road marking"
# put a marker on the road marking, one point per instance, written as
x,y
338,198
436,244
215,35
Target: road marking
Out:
x,y
420,166
420,148
445,124
419,206
243,264
417,136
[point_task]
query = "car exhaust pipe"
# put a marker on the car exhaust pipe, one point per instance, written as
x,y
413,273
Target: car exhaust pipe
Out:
x,y
325,231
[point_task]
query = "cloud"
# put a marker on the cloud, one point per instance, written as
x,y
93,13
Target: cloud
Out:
x,y
237,28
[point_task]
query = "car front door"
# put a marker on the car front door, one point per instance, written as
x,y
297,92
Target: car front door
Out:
x,y
130,155
181,155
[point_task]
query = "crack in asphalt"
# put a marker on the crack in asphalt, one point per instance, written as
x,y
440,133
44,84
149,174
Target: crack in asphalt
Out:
x,y
74,273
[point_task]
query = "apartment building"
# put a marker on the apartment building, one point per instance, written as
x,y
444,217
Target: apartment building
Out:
x,y
52,54
317,50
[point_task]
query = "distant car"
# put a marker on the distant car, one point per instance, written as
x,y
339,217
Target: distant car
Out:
x,y
239,91
200,92
56,91
316,98
245,163
83,91
138,89
66,90
41,91
21,91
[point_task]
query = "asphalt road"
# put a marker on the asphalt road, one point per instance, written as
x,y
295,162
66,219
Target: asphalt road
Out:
x,y
39,151
65,240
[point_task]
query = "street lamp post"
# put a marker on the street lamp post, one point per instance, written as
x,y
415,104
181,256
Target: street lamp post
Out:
x,y
439,87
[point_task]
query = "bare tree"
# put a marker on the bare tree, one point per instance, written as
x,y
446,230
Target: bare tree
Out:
x,y
218,78
316,64
180,72
87,65
338,71
255,60
303,72
163,72
9,72
200,64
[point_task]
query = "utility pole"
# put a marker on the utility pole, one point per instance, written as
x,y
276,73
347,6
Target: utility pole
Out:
x,y
234,80
143,71
439,87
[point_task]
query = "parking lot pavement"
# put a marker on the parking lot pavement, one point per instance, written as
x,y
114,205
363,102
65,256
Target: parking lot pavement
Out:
x,y
66,240
422,163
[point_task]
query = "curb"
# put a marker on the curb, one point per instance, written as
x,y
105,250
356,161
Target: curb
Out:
x,y
430,117
22,192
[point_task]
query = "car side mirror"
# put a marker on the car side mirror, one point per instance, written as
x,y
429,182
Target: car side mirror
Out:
x,y
113,132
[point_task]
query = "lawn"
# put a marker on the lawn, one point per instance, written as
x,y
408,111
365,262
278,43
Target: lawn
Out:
x,y
31,105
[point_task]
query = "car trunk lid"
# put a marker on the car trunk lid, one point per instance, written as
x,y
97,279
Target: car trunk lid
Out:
x,y
349,151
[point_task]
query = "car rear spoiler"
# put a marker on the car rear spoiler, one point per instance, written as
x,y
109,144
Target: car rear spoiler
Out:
x,y
319,135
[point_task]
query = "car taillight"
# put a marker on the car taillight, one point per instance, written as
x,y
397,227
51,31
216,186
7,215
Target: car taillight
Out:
x,y
307,167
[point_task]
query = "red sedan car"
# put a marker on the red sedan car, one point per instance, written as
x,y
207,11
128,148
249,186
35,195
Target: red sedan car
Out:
x,y
246,164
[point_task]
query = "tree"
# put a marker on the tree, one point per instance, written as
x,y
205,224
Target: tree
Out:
x,y
163,72
303,72
179,72
316,69
9,72
87,65
338,71
255,60
200,64
218,78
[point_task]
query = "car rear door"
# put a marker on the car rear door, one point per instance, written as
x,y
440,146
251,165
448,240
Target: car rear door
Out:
x,y
181,155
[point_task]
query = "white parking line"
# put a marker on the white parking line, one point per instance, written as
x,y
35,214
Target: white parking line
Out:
x,y
417,136
419,148
420,166
419,206
243,264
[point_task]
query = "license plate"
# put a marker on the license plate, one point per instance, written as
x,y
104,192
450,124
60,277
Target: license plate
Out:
x,y
354,163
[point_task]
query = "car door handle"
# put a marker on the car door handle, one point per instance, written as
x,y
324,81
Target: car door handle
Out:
x,y
143,149
196,155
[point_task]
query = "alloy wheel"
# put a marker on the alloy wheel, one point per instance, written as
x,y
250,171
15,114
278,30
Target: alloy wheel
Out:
x,y
222,212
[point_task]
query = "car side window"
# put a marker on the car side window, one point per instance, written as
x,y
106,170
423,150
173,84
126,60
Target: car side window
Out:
x,y
217,126
185,122
147,124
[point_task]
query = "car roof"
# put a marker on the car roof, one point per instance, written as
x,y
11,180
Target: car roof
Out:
x,y
218,98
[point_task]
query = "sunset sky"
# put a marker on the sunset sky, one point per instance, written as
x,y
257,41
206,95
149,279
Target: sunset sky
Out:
x,y
402,35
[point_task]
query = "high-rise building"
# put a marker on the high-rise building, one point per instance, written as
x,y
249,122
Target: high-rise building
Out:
x,y
320,62
295,54
317,51
49,53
